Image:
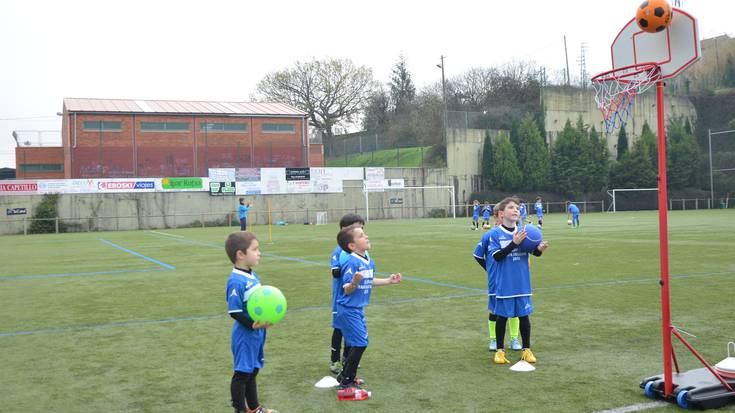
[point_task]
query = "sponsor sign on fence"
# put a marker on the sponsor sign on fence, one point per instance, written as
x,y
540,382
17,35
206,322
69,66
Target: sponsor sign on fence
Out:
x,y
221,188
15,211
183,184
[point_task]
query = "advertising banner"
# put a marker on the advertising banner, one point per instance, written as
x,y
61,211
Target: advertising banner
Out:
x,y
15,211
297,174
273,180
247,174
222,174
248,188
126,185
326,180
19,188
183,184
221,188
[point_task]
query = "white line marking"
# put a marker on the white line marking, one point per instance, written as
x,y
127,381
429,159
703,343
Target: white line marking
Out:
x,y
636,407
168,235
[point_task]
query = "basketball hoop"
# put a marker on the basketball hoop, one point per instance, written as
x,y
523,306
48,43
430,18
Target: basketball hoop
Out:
x,y
615,91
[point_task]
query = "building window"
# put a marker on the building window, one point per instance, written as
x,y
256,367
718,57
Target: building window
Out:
x,y
102,126
42,167
279,127
223,127
164,126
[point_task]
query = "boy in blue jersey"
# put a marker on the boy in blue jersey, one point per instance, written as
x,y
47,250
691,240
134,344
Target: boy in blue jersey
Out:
x,y
357,282
539,207
487,210
523,209
486,262
242,212
512,278
339,256
476,215
574,210
248,336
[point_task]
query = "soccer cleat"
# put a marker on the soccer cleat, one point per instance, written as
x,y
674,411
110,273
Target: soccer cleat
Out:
x,y
515,344
528,356
262,409
500,357
493,345
335,367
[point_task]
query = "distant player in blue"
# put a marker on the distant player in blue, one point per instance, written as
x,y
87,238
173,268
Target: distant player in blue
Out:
x,y
487,210
242,212
539,207
248,336
512,278
523,209
476,215
574,210
337,259
357,282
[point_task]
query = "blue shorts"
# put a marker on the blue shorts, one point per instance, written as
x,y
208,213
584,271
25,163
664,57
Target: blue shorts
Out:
x,y
351,321
475,217
247,348
491,303
513,307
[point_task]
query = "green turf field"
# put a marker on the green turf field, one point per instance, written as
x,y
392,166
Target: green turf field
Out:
x,y
101,322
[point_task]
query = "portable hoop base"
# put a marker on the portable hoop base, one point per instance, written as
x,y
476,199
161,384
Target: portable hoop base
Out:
x,y
694,389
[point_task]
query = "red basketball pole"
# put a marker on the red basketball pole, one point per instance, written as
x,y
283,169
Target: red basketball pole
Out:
x,y
663,238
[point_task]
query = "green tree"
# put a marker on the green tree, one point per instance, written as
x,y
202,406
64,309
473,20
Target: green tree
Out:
x,y
45,214
635,169
505,171
487,159
650,141
402,90
533,157
600,166
682,156
568,162
622,143
584,158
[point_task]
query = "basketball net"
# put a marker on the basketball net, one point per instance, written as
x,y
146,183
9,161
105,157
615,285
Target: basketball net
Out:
x,y
616,90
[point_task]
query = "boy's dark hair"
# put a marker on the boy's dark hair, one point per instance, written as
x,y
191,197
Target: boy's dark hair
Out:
x,y
350,219
345,236
500,206
238,241
242,199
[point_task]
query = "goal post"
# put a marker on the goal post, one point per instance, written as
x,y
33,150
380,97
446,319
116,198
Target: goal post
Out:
x,y
367,190
612,193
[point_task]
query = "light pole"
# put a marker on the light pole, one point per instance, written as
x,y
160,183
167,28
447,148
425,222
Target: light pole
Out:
x,y
444,100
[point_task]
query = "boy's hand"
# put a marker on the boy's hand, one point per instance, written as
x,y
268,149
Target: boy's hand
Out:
x,y
519,236
356,279
259,324
395,278
543,245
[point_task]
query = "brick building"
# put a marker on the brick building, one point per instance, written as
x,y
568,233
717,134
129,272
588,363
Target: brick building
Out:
x,y
111,138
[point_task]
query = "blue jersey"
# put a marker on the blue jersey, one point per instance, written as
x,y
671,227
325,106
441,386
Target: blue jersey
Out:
x,y
360,297
242,211
573,209
482,251
247,343
539,207
486,211
523,209
512,275
476,211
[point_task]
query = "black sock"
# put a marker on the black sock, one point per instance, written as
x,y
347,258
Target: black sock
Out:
x,y
242,388
500,331
525,324
345,354
349,371
336,344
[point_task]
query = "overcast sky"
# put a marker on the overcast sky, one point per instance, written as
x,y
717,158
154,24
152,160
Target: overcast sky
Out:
x,y
219,50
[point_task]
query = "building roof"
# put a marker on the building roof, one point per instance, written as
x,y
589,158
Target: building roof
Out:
x,y
180,107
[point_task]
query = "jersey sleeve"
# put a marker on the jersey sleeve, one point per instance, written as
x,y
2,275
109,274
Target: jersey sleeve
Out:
x,y
481,247
334,259
348,270
235,298
494,243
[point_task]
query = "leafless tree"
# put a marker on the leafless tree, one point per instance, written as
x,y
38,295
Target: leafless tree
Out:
x,y
332,92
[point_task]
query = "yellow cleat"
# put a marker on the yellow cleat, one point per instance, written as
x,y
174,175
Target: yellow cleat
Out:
x,y
500,357
528,356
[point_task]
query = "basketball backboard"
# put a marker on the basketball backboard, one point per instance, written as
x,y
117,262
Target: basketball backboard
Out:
x,y
673,49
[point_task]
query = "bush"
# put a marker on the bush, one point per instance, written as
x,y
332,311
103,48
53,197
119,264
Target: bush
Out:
x,y
438,213
44,216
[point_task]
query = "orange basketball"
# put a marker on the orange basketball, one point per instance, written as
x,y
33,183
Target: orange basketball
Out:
x,y
653,15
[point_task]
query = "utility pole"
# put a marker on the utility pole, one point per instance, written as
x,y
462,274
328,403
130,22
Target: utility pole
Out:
x,y
582,66
566,55
444,100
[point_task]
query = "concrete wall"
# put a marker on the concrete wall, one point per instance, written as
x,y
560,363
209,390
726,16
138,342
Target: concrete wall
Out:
x,y
567,103
464,159
97,212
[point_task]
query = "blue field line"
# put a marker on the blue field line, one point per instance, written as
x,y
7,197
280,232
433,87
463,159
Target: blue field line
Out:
x,y
211,317
76,274
325,264
137,254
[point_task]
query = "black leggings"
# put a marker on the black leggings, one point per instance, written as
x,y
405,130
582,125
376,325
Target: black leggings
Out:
x,y
525,324
242,388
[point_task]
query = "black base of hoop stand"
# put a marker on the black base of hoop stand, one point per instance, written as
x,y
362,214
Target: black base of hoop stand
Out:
x,y
694,389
